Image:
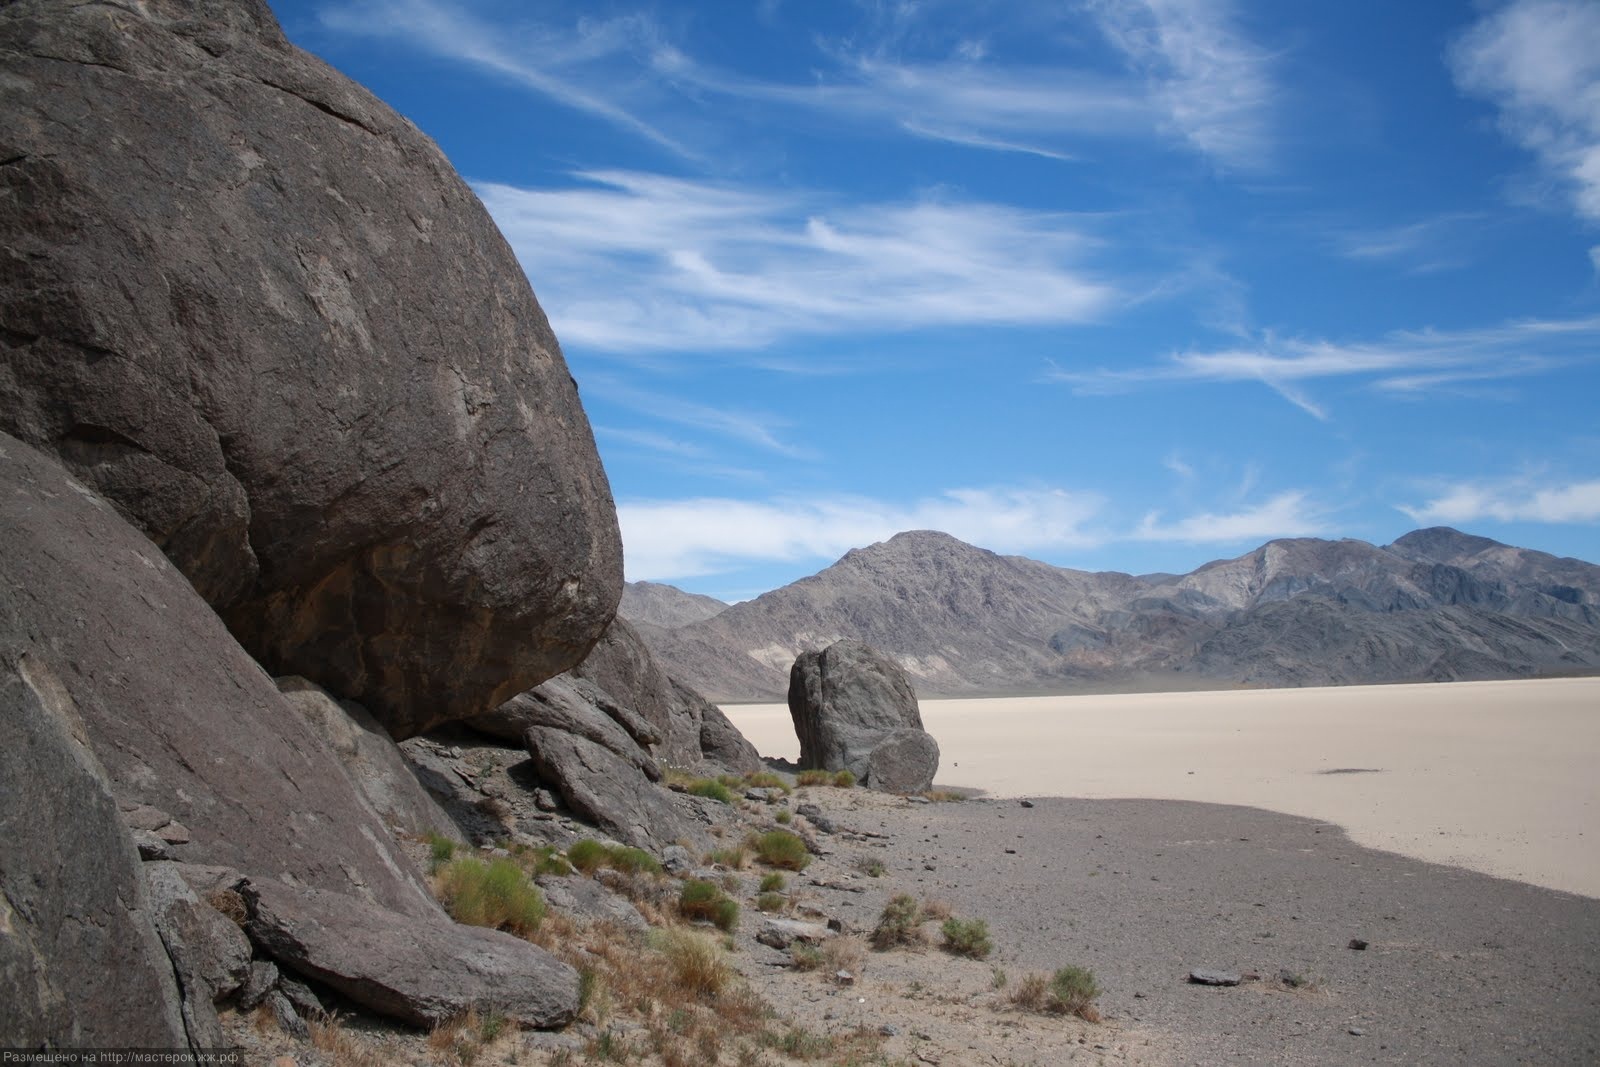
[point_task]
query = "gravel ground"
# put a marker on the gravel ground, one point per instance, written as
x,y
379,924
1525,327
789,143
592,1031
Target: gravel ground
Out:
x,y
1460,968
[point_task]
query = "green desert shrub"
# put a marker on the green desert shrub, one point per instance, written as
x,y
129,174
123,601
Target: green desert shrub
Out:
x,y
780,848
843,780
711,789
967,937
766,780
496,894
590,855
784,817
813,777
707,902
771,882
441,850
871,866
543,859
770,902
733,856
632,861
587,855
1070,991
899,924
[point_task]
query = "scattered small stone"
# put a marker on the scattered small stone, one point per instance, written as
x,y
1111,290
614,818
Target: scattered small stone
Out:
x,y
1356,1031
675,859
917,800
1026,803
1011,852
844,978
889,1030
1357,944
929,867
1214,978
836,925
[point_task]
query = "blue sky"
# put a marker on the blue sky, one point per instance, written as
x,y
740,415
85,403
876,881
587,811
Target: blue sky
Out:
x,y
1116,284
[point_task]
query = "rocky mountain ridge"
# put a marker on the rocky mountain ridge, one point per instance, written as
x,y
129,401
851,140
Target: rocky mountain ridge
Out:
x,y
1436,605
665,605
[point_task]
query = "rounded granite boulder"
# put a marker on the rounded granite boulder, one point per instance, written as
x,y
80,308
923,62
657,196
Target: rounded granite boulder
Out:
x,y
258,311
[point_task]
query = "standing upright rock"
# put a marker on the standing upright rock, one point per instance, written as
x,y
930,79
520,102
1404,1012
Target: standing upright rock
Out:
x,y
259,312
854,709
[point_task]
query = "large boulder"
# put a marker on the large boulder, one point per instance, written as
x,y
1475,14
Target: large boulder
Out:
x,y
424,972
259,312
854,709
81,965
196,741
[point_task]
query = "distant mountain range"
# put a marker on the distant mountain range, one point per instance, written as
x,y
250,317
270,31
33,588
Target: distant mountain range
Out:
x,y
1437,605
665,605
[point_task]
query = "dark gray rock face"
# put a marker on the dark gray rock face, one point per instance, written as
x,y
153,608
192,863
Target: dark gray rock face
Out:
x,y
210,953
847,702
196,741
373,762
607,790
577,707
259,312
692,730
80,962
421,971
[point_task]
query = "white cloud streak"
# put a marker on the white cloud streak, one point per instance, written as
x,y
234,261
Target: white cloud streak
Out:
x,y
1405,362
1289,514
556,63
1539,62
1190,75
641,262
1214,86
674,539
684,538
1511,501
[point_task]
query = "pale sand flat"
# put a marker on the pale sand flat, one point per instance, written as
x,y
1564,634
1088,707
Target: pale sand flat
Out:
x,y
1497,777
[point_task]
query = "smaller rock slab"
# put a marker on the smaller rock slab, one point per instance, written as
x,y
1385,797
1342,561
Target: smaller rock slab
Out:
x,y
421,971
1221,978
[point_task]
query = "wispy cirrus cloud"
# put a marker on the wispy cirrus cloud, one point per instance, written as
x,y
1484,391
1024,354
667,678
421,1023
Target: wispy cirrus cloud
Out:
x,y
666,539
1404,362
1511,500
1422,246
633,262
586,66
1539,62
1188,74
1289,514
760,429
1213,85
683,538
